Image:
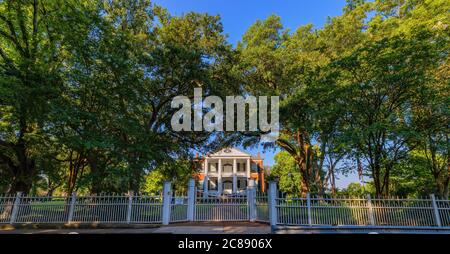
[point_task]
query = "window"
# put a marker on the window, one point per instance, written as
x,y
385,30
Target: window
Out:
x,y
228,168
241,184
228,186
213,167
241,167
212,184
254,167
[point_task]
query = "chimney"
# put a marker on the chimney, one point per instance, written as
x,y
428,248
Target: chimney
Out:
x,y
196,155
259,155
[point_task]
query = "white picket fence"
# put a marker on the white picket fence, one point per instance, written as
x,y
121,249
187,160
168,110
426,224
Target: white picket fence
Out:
x,y
221,209
272,207
179,207
86,209
358,212
262,207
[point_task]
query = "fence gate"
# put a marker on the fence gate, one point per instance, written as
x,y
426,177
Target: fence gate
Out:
x,y
262,207
227,208
179,207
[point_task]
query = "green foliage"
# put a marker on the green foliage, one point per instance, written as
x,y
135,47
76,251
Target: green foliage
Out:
x,y
286,172
86,90
357,190
178,172
370,86
86,86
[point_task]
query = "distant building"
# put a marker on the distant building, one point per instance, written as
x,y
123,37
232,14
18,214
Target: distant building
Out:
x,y
229,171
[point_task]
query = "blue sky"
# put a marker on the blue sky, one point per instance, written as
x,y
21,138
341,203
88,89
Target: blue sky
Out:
x,y
238,15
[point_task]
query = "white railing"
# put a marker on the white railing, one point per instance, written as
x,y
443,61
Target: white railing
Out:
x,y
232,208
360,212
179,207
443,207
404,212
146,209
262,207
274,207
42,210
101,209
83,209
6,207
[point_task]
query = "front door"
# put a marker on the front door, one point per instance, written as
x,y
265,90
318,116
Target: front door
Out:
x,y
227,187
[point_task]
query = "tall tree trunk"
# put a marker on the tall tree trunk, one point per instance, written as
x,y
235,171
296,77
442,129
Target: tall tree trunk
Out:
x,y
332,181
75,166
24,172
96,186
304,184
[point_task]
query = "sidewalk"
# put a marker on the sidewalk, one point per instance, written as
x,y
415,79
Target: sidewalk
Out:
x,y
216,228
181,228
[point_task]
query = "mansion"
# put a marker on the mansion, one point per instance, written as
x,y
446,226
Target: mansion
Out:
x,y
229,171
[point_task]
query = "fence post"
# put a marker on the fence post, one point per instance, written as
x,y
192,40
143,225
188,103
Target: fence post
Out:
x,y
130,206
191,200
369,205
273,217
15,209
167,199
308,204
251,200
73,199
436,211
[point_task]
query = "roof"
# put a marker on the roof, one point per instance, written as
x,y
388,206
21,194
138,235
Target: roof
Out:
x,y
229,152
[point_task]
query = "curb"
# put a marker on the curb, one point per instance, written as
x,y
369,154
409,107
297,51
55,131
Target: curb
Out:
x,y
76,226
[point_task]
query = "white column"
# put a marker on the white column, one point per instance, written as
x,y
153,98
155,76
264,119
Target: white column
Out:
x,y
248,169
308,205
251,200
205,179
15,209
273,217
167,200
130,206
219,178
234,176
436,211
191,200
72,207
369,205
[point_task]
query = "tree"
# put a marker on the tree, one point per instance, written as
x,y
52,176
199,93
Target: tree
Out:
x,y
356,190
126,76
88,88
286,172
178,172
382,77
294,66
350,89
32,54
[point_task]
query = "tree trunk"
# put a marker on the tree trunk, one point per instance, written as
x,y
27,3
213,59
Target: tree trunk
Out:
x,y
304,184
75,166
24,172
332,181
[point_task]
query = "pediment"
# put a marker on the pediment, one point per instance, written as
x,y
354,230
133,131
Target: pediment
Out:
x,y
229,152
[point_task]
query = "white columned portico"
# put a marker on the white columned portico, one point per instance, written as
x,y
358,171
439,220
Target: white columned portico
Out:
x,y
248,168
219,178
234,176
206,179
